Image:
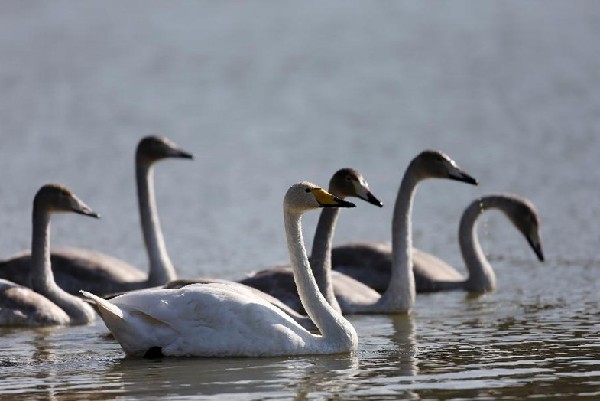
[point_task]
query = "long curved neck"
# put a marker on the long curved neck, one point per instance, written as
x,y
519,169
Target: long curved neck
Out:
x,y
481,275
333,326
400,294
321,254
161,269
42,278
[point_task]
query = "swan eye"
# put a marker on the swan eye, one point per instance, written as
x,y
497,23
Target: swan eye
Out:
x,y
307,190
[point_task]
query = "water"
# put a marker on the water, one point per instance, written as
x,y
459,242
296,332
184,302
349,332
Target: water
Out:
x,y
266,94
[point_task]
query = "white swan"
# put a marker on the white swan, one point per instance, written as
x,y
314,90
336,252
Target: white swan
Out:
x,y
45,304
220,320
76,268
399,295
433,274
279,281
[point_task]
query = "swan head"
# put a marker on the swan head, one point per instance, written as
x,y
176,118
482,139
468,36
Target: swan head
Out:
x,y
435,164
153,148
305,196
56,198
347,182
525,218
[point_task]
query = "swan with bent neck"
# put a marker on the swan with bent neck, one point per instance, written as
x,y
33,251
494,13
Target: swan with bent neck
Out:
x,y
433,274
76,268
279,281
399,296
45,304
219,320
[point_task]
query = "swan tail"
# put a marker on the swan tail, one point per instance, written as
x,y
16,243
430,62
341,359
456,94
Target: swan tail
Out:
x,y
137,332
105,308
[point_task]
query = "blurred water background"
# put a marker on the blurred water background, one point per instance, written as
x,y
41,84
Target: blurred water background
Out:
x,y
266,94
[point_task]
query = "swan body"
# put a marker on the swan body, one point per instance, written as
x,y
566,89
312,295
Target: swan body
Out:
x,y
300,318
279,281
76,269
218,319
370,263
399,296
45,304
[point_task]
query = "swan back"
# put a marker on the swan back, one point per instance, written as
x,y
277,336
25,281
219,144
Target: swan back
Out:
x,y
22,307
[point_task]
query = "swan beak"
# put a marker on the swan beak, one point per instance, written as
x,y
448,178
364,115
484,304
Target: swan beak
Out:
x,y
182,154
86,211
536,245
460,175
373,200
325,199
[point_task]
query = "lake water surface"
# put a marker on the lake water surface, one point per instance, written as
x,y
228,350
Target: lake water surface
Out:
x,y
266,94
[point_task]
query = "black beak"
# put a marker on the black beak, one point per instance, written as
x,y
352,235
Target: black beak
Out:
x,y
87,212
537,248
339,203
464,177
182,154
373,200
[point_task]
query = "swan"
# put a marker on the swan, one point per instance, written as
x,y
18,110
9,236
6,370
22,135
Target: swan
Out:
x,y
218,320
433,274
76,268
399,295
279,281
45,304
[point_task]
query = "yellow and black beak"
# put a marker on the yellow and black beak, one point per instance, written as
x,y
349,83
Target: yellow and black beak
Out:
x,y
326,199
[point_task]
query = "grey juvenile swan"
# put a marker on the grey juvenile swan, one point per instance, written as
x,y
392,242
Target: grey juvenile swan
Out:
x,y
433,274
220,320
279,281
45,304
76,269
399,295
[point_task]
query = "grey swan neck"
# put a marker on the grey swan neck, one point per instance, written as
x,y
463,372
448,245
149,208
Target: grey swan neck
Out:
x,y
321,254
42,278
400,294
481,275
333,326
161,269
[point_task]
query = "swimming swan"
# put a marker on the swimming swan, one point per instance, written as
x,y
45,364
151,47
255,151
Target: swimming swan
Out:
x,y
433,274
76,269
279,281
45,304
399,295
217,320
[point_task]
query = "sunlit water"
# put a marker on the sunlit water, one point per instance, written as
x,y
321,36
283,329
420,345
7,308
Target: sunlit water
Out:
x,y
266,94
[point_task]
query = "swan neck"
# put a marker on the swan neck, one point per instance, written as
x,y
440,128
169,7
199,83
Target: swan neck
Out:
x,y
161,269
321,254
481,275
400,295
333,326
42,278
